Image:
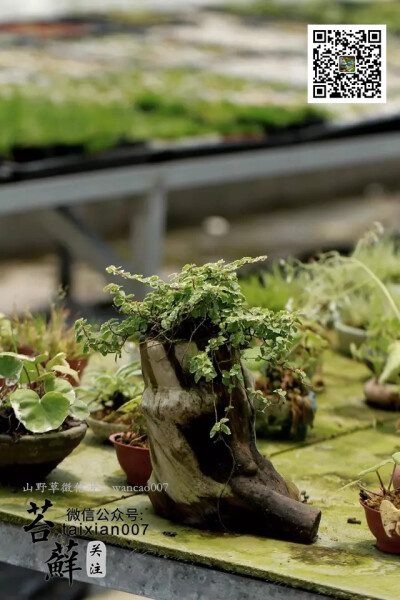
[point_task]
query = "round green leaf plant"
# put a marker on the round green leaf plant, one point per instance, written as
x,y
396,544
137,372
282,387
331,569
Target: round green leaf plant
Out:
x,y
34,396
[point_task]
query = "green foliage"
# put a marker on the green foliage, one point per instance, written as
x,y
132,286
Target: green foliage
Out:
x,y
41,334
320,11
98,113
393,460
199,303
117,391
277,289
381,351
39,414
335,283
31,392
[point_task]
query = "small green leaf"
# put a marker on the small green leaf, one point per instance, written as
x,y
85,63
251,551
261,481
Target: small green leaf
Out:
x,y
375,468
58,359
10,368
39,414
79,410
396,458
214,430
66,371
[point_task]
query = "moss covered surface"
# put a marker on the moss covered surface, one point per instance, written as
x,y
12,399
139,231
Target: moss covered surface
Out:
x,y
344,562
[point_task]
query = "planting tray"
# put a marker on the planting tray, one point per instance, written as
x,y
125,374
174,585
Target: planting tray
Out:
x,y
56,160
343,563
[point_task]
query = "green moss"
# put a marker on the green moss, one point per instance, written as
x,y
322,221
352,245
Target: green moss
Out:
x,y
343,563
100,112
320,11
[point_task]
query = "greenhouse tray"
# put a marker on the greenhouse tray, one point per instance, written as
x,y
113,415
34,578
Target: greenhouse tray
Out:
x,y
139,153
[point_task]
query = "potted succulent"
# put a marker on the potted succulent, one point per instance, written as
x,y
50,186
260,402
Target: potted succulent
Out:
x,y
36,335
382,507
381,354
41,419
198,401
133,454
112,398
353,291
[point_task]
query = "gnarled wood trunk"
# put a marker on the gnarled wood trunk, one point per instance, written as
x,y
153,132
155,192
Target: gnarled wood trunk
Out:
x,y
213,483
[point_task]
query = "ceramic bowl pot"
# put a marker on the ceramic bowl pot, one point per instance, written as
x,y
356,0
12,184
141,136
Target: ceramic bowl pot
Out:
x,y
383,541
382,396
135,461
30,458
347,335
102,429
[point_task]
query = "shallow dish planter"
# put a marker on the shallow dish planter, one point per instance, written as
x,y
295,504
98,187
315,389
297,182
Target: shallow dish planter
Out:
x,y
134,460
30,458
102,429
346,335
383,541
384,396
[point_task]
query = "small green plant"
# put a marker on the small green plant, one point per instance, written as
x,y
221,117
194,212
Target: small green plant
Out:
x,y
39,334
33,396
335,281
381,351
201,303
372,498
115,396
277,289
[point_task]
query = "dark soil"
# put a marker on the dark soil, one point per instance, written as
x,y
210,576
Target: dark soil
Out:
x,y
374,500
108,415
131,439
10,425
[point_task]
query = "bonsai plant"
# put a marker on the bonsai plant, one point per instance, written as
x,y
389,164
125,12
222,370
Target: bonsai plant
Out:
x,y
198,400
112,398
382,507
37,335
41,420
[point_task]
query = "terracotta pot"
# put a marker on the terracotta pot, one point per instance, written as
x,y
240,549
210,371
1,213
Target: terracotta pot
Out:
x,y
383,396
396,478
102,429
30,458
78,364
347,335
383,541
134,461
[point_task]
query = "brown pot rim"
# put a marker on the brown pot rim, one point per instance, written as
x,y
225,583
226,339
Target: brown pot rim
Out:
x,y
114,441
375,510
29,439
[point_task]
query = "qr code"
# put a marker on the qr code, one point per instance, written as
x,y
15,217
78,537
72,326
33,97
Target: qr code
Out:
x,y
346,63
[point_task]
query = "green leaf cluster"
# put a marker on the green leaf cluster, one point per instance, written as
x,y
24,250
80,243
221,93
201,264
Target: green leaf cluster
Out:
x,y
32,392
200,303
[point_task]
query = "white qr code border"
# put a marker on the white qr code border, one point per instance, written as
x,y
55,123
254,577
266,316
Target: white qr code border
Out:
x,y
310,69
